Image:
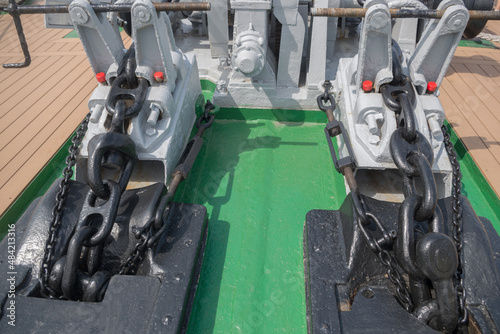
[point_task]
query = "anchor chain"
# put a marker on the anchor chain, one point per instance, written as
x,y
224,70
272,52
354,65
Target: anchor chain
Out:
x,y
75,275
457,225
430,259
365,218
55,223
151,232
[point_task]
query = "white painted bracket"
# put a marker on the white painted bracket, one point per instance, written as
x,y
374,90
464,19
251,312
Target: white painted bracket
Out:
x,y
291,49
375,51
101,42
433,53
218,32
154,43
317,59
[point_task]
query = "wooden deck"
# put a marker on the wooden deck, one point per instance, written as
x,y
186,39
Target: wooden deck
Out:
x,y
40,106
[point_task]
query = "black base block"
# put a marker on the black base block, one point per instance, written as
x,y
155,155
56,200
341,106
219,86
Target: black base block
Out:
x,y
347,288
159,303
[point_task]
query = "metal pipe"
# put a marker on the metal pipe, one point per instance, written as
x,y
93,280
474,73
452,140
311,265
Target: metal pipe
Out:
x,y
403,13
160,7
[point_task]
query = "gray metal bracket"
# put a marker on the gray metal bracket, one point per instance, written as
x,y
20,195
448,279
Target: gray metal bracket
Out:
x,y
375,53
154,43
101,41
218,32
433,53
161,129
293,35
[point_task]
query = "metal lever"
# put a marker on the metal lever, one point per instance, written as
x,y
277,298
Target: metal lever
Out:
x,y
14,12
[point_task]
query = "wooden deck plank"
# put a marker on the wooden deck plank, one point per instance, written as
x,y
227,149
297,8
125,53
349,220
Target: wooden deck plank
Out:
x,y
36,90
37,161
77,48
32,32
8,88
19,56
38,37
475,111
40,42
465,60
69,44
475,145
486,80
8,23
66,104
40,113
5,73
492,73
482,93
11,75
25,19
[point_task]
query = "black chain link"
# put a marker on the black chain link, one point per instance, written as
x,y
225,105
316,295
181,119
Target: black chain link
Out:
x,y
457,224
55,223
130,264
403,294
150,233
364,217
414,156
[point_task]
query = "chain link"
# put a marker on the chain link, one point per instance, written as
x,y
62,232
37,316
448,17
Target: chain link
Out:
x,y
403,294
55,223
364,217
457,224
150,233
130,264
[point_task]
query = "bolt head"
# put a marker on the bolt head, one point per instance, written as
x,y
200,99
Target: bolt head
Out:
x,y
374,140
142,14
379,20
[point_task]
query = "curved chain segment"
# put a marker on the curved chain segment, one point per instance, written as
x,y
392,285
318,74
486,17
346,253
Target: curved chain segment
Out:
x,y
413,155
457,226
99,147
46,266
154,229
364,218
94,211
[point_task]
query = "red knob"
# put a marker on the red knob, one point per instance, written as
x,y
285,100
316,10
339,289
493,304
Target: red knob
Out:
x,y
367,85
432,86
101,77
159,76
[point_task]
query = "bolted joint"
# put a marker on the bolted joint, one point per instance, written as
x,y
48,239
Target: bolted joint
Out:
x,y
249,57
